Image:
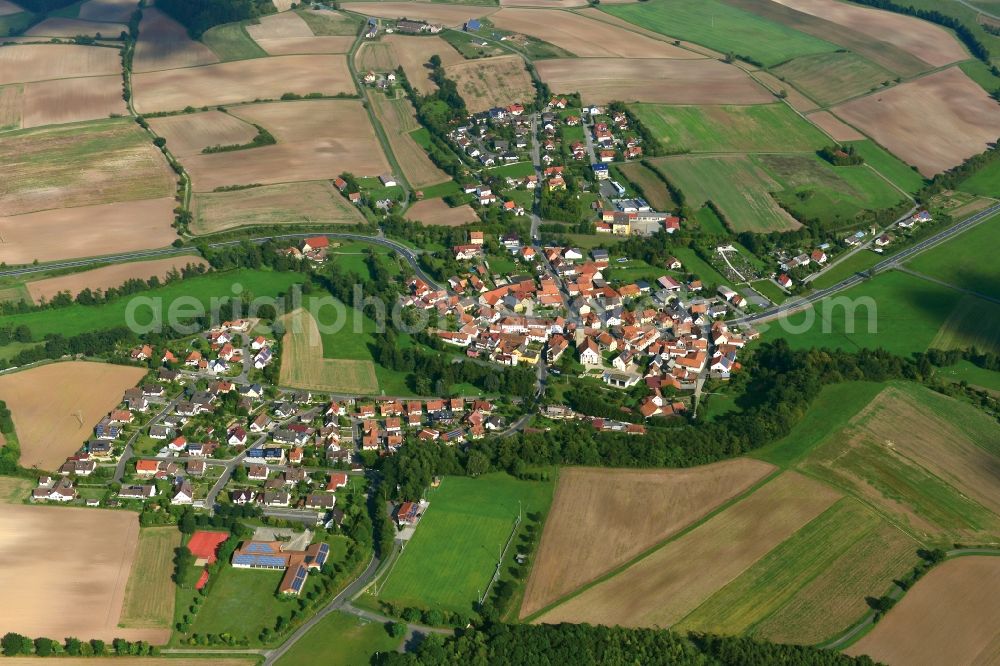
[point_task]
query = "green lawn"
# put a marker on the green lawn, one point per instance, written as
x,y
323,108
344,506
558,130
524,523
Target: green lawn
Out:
x,y
898,312
340,640
453,555
710,222
831,77
516,170
232,42
76,319
721,27
242,602
740,129
901,174
966,371
861,260
967,260
986,182
442,190
423,137
770,291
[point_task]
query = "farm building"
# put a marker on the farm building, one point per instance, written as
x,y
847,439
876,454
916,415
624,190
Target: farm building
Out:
x,y
272,555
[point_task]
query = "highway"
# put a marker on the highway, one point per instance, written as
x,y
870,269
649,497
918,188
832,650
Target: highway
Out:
x,y
887,263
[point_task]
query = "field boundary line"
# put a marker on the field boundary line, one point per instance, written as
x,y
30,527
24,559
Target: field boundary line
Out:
x,y
778,471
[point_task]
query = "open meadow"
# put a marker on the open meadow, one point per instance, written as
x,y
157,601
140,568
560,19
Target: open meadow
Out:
x,y
436,212
601,80
88,556
315,139
831,77
965,261
339,640
149,596
78,165
68,233
242,81
653,188
985,182
949,617
303,364
631,510
973,324
55,406
398,119
664,586
314,202
164,44
454,551
114,275
489,82
933,122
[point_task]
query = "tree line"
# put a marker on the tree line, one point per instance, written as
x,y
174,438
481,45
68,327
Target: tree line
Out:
x,y
200,15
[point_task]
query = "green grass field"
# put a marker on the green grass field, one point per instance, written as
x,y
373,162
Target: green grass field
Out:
x,y
966,371
516,170
76,319
454,552
901,174
149,595
906,314
441,190
710,222
980,73
973,324
242,602
986,182
340,640
737,129
14,24
721,27
330,24
770,291
232,42
653,189
831,77
967,260
861,260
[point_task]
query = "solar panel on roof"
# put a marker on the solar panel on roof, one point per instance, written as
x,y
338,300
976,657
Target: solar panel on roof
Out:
x,y
324,553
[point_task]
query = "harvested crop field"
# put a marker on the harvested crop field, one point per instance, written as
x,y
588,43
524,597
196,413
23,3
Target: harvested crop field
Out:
x,y
79,165
398,120
601,80
288,203
413,53
114,275
107,10
242,80
164,44
11,101
490,82
632,510
835,127
922,39
949,617
65,27
7,7
449,15
565,4
436,212
303,365
69,233
933,123
149,596
288,34
586,37
55,406
72,100
187,134
928,460
663,587
795,99
134,661
38,62
316,139
88,556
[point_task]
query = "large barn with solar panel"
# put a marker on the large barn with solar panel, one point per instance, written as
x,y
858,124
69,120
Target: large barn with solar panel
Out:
x,y
273,555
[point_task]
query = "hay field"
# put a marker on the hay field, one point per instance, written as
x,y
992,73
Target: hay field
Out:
x,y
949,617
930,462
653,189
377,56
149,596
833,77
631,510
289,203
922,39
288,34
329,23
69,28
848,537
413,53
242,80
11,101
663,587
835,127
436,212
68,233
118,11
973,323
601,80
489,82
114,275
55,406
933,123
189,133
164,44
79,165
586,37
38,62
88,554
449,15
316,139
398,120
72,100
303,365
